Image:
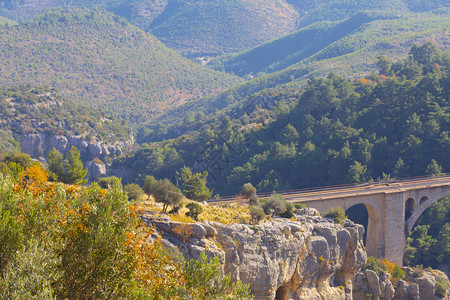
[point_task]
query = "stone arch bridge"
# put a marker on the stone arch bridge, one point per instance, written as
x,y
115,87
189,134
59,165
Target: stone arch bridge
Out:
x,y
393,208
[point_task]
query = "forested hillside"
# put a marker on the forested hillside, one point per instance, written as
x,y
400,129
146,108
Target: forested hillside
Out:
x,y
199,27
338,130
358,38
4,21
101,60
42,110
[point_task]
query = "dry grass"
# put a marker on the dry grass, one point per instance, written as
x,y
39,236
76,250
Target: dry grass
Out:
x,y
226,214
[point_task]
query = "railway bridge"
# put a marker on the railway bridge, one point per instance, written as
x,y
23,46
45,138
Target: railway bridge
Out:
x,y
393,208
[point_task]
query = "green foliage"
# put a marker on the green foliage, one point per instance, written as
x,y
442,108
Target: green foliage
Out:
x,y
429,242
441,287
299,205
133,191
433,168
4,21
375,265
31,273
134,76
195,210
107,182
337,214
163,191
14,163
398,273
206,278
257,213
333,46
73,168
248,190
276,205
55,164
194,185
65,242
289,213
43,110
349,131
11,236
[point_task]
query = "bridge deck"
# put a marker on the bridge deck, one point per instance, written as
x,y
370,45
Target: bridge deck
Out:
x,y
334,192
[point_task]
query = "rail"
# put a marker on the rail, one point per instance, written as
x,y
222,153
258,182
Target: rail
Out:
x,y
232,198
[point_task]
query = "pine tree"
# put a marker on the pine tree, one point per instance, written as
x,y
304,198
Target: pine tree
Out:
x,y
194,185
74,167
55,165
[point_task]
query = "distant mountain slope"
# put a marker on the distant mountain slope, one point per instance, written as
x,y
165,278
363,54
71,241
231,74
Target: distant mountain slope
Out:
x,y
217,27
99,59
190,26
328,40
353,56
214,27
4,21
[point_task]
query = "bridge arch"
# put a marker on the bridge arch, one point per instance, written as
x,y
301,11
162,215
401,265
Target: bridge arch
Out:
x,y
374,237
424,203
423,200
409,208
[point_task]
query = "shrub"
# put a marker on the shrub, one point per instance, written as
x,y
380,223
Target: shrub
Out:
x,y
195,210
275,205
441,287
194,185
337,214
163,191
205,278
107,182
299,205
289,213
253,200
257,213
396,272
133,191
248,190
375,265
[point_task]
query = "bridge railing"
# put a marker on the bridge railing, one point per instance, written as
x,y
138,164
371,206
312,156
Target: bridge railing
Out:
x,y
330,187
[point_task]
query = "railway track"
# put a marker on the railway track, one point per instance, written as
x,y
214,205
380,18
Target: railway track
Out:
x,y
303,195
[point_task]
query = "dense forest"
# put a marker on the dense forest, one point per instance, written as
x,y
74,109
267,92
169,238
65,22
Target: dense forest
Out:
x,y
99,59
390,124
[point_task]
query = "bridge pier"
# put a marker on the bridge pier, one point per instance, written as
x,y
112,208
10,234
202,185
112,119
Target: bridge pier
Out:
x,y
393,210
394,231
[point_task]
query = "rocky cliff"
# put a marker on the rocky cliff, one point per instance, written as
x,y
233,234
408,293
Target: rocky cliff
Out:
x,y
307,258
310,258
38,145
415,286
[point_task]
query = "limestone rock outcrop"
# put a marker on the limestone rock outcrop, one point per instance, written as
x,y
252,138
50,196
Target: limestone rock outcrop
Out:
x,y
311,258
368,285
38,145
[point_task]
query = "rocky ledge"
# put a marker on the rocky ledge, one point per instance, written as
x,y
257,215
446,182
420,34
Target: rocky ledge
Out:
x,y
307,258
38,145
310,258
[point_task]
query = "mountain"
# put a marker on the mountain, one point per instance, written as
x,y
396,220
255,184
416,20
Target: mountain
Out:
x,y
354,56
4,21
363,34
336,130
200,28
99,59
